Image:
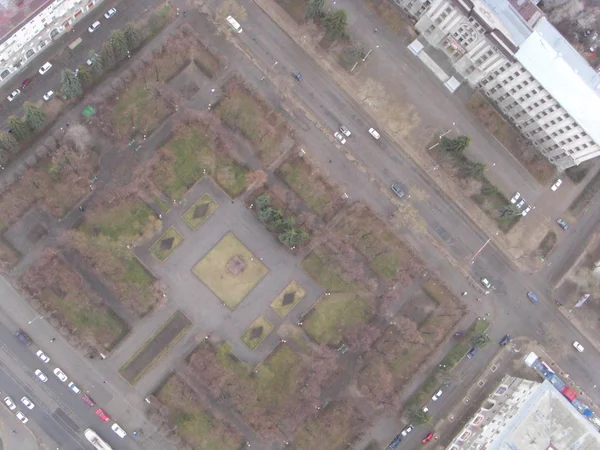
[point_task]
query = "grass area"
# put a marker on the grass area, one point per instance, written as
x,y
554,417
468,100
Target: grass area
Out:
x,y
547,244
491,201
192,422
198,212
125,221
288,299
243,110
278,377
167,244
324,271
538,166
305,181
334,314
257,332
187,157
390,14
580,204
437,291
577,173
295,8
155,347
206,61
9,256
213,272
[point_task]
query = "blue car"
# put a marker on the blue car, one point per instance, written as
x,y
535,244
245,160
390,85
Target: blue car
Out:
x,y
395,443
533,297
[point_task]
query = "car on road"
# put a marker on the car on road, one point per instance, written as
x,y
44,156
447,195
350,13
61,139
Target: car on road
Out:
x,y
407,430
437,395
297,75
556,185
60,375
13,95
428,438
397,190
515,197
93,27
345,131
486,283
578,346
339,137
111,12
28,403
48,95
533,297
505,340
471,354
22,417
118,430
526,210
45,68
8,402
22,336
100,413
562,224
395,443
41,375
40,354
520,203
373,132
88,401
25,83
74,388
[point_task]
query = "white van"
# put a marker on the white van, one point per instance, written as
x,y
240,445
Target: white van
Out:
x,y
234,24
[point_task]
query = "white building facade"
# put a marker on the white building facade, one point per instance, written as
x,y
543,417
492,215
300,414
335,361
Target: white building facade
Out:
x,y
509,50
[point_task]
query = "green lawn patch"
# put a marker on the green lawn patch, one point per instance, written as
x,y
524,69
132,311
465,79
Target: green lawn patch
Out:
x,y
324,271
167,244
257,332
155,347
334,314
288,299
230,270
206,61
200,211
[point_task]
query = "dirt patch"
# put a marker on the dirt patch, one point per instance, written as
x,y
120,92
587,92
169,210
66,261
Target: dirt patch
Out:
x,y
391,15
547,244
585,197
295,8
418,307
155,347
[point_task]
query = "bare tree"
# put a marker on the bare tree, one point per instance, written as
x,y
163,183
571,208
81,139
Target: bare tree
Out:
x,y
78,138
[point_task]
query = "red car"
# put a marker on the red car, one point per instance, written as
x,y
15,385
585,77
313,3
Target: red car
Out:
x,y
428,438
25,83
88,401
100,413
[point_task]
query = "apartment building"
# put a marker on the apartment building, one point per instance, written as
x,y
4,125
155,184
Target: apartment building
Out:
x,y
509,50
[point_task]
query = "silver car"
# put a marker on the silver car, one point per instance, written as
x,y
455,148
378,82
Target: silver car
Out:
x,y
397,190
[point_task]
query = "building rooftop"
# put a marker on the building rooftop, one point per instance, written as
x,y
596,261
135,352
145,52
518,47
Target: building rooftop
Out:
x,y
557,66
501,15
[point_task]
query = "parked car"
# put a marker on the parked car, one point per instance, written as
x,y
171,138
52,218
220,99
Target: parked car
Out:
x,y
88,401
45,68
556,184
515,197
407,430
100,413
48,95
345,131
373,132
505,340
28,403
471,354
526,210
533,297
339,137
486,283
111,12
578,346
60,375
8,402
297,76
25,83
437,395
118,430
13,95
74,388
22,417
395,443
40,354
562,224
397,190
428,438
41,375
93,27
520,203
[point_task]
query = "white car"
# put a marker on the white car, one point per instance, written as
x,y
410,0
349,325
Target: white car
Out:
x,y
93,27
407,430
437,395
41,375
556,185
578,346
11,405
486,283
45,68
526,210
40,354
22,417
48,95
373,132
28,403
60,375
515,197
345,131
74,388
521,203
111,12
339,137
13,95
118,430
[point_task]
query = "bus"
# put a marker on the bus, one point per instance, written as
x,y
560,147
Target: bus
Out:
x,y
96,441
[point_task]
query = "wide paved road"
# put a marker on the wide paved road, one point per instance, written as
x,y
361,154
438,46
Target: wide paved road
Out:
x,y
513,312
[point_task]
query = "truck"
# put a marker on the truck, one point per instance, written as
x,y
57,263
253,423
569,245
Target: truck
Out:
x,y
95,440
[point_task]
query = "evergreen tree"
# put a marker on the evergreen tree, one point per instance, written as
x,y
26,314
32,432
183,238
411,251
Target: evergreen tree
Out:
x,y
35,117
335,23
70,84
19,128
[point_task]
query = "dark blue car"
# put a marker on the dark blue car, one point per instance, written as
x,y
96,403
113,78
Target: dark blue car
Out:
x,y
533,297
395,443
